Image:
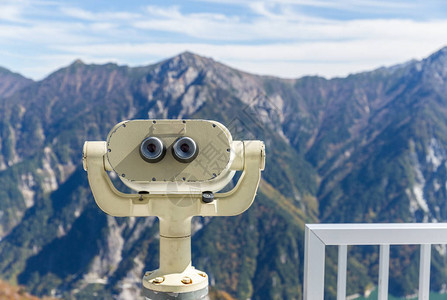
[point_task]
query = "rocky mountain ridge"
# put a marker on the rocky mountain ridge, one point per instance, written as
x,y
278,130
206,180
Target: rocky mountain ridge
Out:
x,y
367,148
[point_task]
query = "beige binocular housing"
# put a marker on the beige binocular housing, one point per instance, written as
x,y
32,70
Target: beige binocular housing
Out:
x,y
177,168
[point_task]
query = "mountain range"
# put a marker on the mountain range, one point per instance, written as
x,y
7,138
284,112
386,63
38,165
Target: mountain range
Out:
x,y
371,147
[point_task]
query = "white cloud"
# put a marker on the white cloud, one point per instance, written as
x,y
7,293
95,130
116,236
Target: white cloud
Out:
x,y
350,5
277,38
210,26
285,60
10,13
285,25
86,15
341,52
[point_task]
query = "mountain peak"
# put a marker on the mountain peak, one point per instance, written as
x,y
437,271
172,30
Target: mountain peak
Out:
x,y
442,51
439,56
11,82
77,62
434,69
5,71
189,54
191,59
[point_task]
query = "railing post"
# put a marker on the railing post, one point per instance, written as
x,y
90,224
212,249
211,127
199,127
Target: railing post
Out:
x,y
341,272
384,267
424,272
314,256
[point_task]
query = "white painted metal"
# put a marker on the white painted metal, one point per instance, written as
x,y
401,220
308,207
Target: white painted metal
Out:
x,y
424,272
379,234
314,252
341,274
320,235
384,262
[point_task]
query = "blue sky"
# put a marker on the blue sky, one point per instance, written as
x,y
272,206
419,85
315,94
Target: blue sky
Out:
x,y
286,38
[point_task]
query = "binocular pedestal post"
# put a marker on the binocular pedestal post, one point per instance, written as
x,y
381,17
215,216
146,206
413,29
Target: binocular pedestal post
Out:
x,y
176,278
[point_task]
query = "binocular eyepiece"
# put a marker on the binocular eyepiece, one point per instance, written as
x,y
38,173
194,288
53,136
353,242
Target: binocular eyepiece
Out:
x,y
185,149
153,150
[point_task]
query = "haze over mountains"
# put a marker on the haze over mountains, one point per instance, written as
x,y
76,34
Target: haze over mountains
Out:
x,y
371,147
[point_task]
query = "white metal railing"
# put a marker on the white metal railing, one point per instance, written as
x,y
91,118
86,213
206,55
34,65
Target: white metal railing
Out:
x,y
317,236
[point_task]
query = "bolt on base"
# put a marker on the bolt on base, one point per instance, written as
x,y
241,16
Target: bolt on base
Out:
x,y
189,284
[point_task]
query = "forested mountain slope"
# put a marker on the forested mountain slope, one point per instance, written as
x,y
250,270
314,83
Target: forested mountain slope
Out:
x,y
367,148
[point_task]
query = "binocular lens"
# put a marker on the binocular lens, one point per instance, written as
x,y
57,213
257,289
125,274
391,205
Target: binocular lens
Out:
x,y
185,149
152,149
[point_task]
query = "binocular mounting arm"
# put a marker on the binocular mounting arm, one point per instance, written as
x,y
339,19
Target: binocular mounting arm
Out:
x,y
118,204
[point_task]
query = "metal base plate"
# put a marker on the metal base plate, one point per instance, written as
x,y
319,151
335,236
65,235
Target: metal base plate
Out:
x,y
155,295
